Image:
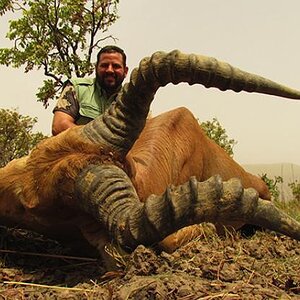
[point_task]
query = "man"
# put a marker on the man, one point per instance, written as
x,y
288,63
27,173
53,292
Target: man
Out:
x,y
83,99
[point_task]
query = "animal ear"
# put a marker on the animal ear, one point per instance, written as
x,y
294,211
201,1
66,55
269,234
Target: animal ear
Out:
x,y
107,193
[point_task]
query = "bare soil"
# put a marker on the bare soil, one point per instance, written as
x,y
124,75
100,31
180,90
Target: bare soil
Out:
x,y
265,266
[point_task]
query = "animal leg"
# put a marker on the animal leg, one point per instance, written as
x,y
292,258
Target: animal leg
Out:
x,y
172,148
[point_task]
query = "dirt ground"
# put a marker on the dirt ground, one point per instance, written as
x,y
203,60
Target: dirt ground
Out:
x,y
264,266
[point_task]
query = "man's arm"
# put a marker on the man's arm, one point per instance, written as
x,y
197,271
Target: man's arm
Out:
x,y
61,121
66,110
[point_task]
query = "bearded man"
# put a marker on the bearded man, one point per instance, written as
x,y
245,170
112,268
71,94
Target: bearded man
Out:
x,y
83,99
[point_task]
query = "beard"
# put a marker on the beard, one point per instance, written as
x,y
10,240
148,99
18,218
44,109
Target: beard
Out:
x,y
109,83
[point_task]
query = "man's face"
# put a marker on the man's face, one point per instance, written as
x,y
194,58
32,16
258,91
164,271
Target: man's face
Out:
x,y
110,71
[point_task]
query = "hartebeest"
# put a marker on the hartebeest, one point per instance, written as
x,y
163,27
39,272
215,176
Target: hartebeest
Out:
x,y
136,181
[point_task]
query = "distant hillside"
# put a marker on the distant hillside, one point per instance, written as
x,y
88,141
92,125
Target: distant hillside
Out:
x,y
289,173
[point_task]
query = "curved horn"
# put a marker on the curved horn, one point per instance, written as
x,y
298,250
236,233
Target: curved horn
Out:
x,y
107,193
120,125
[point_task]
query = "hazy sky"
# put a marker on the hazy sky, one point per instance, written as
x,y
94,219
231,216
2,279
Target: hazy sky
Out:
x,y
258,36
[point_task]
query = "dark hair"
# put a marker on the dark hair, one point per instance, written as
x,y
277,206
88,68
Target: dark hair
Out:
x,y
112,49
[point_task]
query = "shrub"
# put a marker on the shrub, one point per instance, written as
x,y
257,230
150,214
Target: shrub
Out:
x,y
272,185
217,133
16,136
295,187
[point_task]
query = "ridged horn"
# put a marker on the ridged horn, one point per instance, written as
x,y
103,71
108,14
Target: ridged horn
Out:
x,y
119,126
108,195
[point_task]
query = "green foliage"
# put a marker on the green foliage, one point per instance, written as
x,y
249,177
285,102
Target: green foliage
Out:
x,y
216,132
272,185
57,36
5,5
16,136
295,187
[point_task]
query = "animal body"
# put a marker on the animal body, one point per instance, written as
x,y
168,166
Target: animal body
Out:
x,y
172,147
131,180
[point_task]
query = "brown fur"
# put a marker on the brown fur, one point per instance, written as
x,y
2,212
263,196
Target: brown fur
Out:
x,y
172,148
37,192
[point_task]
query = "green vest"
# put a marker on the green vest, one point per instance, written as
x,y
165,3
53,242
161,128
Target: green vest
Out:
x,y
92,99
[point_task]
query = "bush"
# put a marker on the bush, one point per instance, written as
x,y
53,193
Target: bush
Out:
x,y
217,133
16,136
295,187
272,185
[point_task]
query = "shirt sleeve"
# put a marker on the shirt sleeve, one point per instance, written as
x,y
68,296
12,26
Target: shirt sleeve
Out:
x,y
67,102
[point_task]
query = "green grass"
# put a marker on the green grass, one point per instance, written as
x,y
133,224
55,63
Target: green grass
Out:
x,y
292,208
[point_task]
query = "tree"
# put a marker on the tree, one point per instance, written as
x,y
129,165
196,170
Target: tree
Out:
x,y
57,36
16,136
216,132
